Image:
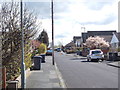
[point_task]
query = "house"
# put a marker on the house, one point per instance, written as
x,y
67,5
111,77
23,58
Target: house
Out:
x,y
70,47
107,35
84,37
118,36
71,44
77,40
114,43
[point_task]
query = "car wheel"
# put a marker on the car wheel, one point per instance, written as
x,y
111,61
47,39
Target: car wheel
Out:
x,y
98,60
102,60
88,59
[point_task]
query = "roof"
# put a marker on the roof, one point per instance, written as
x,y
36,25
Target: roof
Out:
x,y
107,37
99,33
77,37
71,44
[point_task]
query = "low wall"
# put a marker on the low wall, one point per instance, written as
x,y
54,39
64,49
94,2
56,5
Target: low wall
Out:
x,y
27,72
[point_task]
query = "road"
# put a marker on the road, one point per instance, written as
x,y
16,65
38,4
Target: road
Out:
x,y
78,73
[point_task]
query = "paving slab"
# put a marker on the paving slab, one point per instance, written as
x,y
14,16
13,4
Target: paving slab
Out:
x,y
45,78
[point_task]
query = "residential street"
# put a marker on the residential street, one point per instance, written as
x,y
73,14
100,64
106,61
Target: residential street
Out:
x,y
78,73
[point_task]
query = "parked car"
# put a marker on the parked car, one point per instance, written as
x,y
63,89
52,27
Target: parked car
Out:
x,y
49,52
58,49
79,53
95,54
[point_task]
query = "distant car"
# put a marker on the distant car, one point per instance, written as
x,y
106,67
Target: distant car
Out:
x,y
55,49
58,49
49,52
95,54
79,53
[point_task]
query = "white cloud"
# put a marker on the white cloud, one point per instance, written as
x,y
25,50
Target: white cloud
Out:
x,y
68,24
103,19
70,15
0,6
80,13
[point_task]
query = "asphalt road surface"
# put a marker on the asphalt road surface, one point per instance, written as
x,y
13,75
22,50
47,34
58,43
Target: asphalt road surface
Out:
x,y
78,73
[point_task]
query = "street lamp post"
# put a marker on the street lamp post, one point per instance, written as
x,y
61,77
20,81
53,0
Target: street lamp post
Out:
x,y
23,83
52,32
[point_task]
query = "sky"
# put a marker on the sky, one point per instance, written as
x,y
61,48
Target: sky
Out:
x,y
71,15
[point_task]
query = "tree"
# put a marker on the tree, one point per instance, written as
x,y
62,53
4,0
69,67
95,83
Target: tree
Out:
x,y
43,38
60,44
11,36
42,48
96,42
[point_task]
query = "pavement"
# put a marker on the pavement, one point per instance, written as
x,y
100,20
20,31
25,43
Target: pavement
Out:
x,y
114,64
48,77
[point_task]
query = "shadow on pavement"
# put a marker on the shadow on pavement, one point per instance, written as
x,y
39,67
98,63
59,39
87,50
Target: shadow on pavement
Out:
x,y
90,61
78,58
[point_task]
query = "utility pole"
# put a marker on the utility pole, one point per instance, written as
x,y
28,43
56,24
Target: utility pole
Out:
x,y
23,82
52,32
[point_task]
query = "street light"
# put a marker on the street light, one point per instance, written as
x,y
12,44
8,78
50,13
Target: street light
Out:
x,y
52,32
23,82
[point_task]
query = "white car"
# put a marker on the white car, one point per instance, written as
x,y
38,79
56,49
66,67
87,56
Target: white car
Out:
x,y
95,54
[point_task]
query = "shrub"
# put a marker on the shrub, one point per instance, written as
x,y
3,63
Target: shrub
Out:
x,y
28,61
13,67
28,54
42,48
118,49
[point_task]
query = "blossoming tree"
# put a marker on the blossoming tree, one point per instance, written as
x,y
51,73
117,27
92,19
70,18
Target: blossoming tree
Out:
x,y
96,42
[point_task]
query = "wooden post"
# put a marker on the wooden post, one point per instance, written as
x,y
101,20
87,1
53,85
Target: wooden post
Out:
x,y
0,78
3,77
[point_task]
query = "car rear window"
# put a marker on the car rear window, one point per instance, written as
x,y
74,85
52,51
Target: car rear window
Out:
x,y
95,52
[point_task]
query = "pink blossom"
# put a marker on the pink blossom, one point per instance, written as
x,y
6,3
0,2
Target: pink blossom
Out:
x,y
96,42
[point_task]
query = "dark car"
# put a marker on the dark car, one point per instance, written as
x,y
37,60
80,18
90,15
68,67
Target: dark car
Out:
x,y
79,53
58,49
